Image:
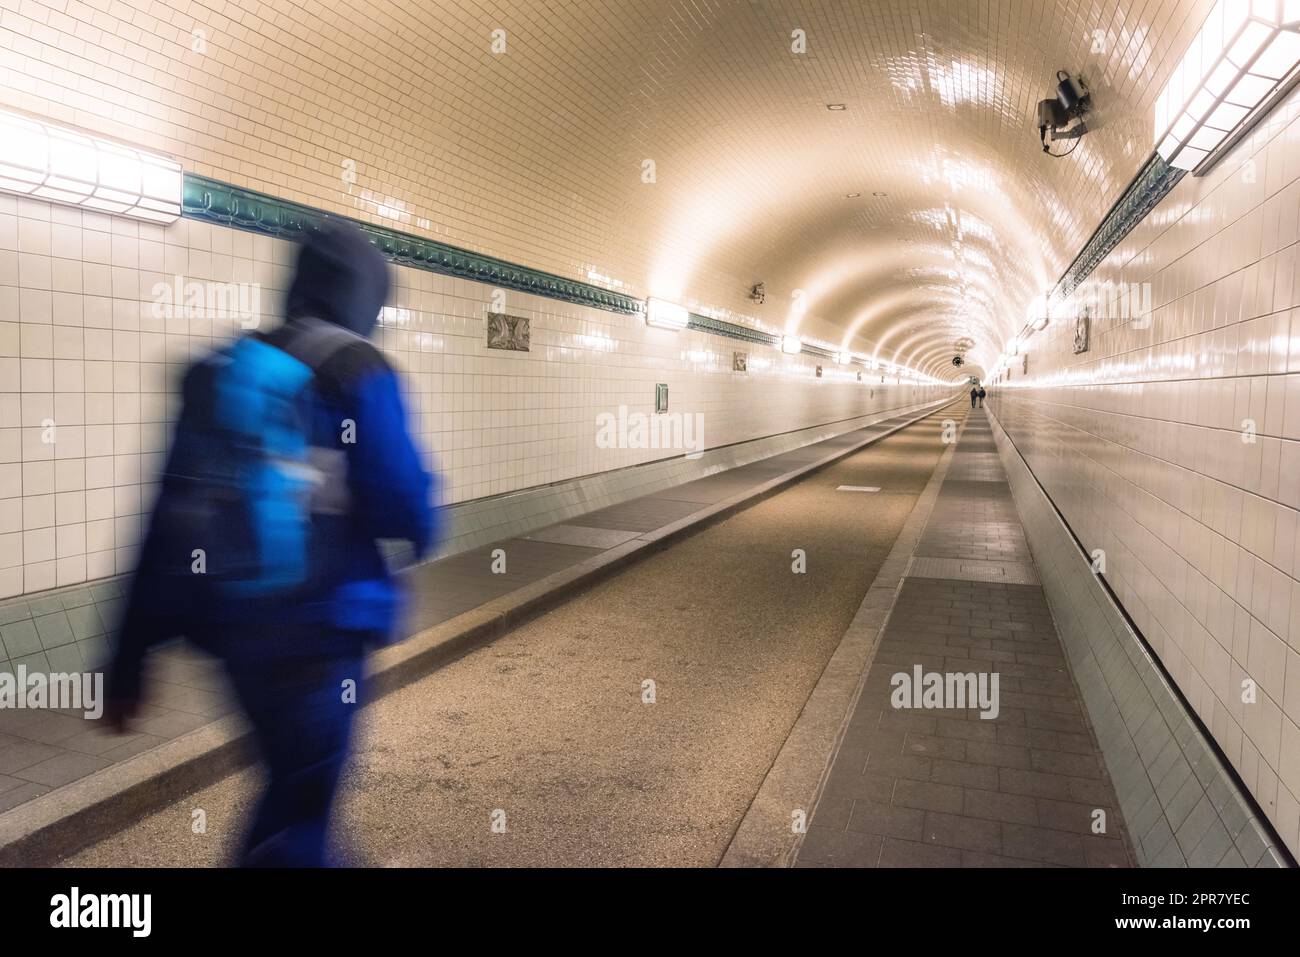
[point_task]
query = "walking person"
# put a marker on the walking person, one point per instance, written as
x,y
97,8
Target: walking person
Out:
x,y
291,462
982,393
974,394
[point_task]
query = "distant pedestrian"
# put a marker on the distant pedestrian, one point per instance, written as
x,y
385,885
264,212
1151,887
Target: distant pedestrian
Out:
x,y
974,394
982,395
291,461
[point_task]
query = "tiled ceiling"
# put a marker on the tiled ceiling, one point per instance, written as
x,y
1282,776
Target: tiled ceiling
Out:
x,y
921,213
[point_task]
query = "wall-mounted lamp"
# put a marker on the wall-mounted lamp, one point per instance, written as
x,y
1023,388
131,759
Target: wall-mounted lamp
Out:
x,y
61,165
1235,64
666,315
791,345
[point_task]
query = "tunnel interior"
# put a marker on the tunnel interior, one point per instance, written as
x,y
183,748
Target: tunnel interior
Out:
x,y
658,270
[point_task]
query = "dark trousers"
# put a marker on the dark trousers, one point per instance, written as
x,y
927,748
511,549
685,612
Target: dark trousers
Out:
x,y
291,682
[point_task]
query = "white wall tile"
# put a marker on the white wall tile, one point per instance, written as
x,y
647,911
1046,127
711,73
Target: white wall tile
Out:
x,y
1139,441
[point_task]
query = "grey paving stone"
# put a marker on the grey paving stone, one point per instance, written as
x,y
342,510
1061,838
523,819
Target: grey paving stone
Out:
x,y
14,610
1069,815
976,859
964,774
1106,852
927,796
85,622
575,534
887,820
900,853
1043,844
20,638
15,757
62,769
1212,847
54,629
833,812
65,659
828,847
964,833
25,792
997,755
999,806
44,605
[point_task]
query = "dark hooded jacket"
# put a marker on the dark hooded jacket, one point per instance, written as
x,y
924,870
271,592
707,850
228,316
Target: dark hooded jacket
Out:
x,y
340,278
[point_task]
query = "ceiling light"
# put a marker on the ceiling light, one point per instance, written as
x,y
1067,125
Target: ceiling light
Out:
x,y
844,358
837,107
1233,66
666,315
791,345
879,194
852,195
64,166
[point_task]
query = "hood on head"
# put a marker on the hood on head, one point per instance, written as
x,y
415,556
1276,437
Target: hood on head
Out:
x,y
339,276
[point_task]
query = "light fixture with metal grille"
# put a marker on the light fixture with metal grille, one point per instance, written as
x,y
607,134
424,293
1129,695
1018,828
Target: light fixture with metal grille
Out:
x,y
1230,73
666,315
61,165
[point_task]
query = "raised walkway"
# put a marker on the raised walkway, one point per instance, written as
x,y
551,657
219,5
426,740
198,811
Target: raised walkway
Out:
x,y
919,786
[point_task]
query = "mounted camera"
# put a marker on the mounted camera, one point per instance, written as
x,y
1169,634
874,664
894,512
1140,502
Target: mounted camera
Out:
x,y
1073,101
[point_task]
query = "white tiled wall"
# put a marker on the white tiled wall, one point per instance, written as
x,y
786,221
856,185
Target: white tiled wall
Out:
x,y
82,346
403,114
1142,441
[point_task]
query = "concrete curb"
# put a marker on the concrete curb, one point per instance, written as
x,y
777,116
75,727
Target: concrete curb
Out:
x,y
55,825
766,837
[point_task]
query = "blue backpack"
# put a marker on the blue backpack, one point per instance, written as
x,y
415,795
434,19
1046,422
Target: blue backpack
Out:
x,y
245,503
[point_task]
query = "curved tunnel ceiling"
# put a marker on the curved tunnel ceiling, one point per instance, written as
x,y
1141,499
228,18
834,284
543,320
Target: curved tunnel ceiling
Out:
x,y
921,213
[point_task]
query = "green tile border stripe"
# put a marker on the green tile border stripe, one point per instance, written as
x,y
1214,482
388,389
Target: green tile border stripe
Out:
x,y
221,203
224,204
1151,184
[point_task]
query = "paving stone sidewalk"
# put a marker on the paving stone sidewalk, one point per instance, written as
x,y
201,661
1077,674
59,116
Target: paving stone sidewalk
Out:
x,y
942,787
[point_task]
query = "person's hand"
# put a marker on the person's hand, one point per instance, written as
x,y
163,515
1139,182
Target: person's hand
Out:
x,y
118,711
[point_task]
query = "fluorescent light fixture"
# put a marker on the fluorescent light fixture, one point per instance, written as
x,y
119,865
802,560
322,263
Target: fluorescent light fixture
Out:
x,y
64,166
1013,347
791,345
665,314
1242,53
844,358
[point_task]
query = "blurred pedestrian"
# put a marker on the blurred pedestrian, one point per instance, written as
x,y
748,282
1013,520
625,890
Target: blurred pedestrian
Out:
x,y
290,463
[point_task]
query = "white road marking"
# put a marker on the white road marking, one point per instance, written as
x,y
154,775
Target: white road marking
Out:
x,y
858,488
